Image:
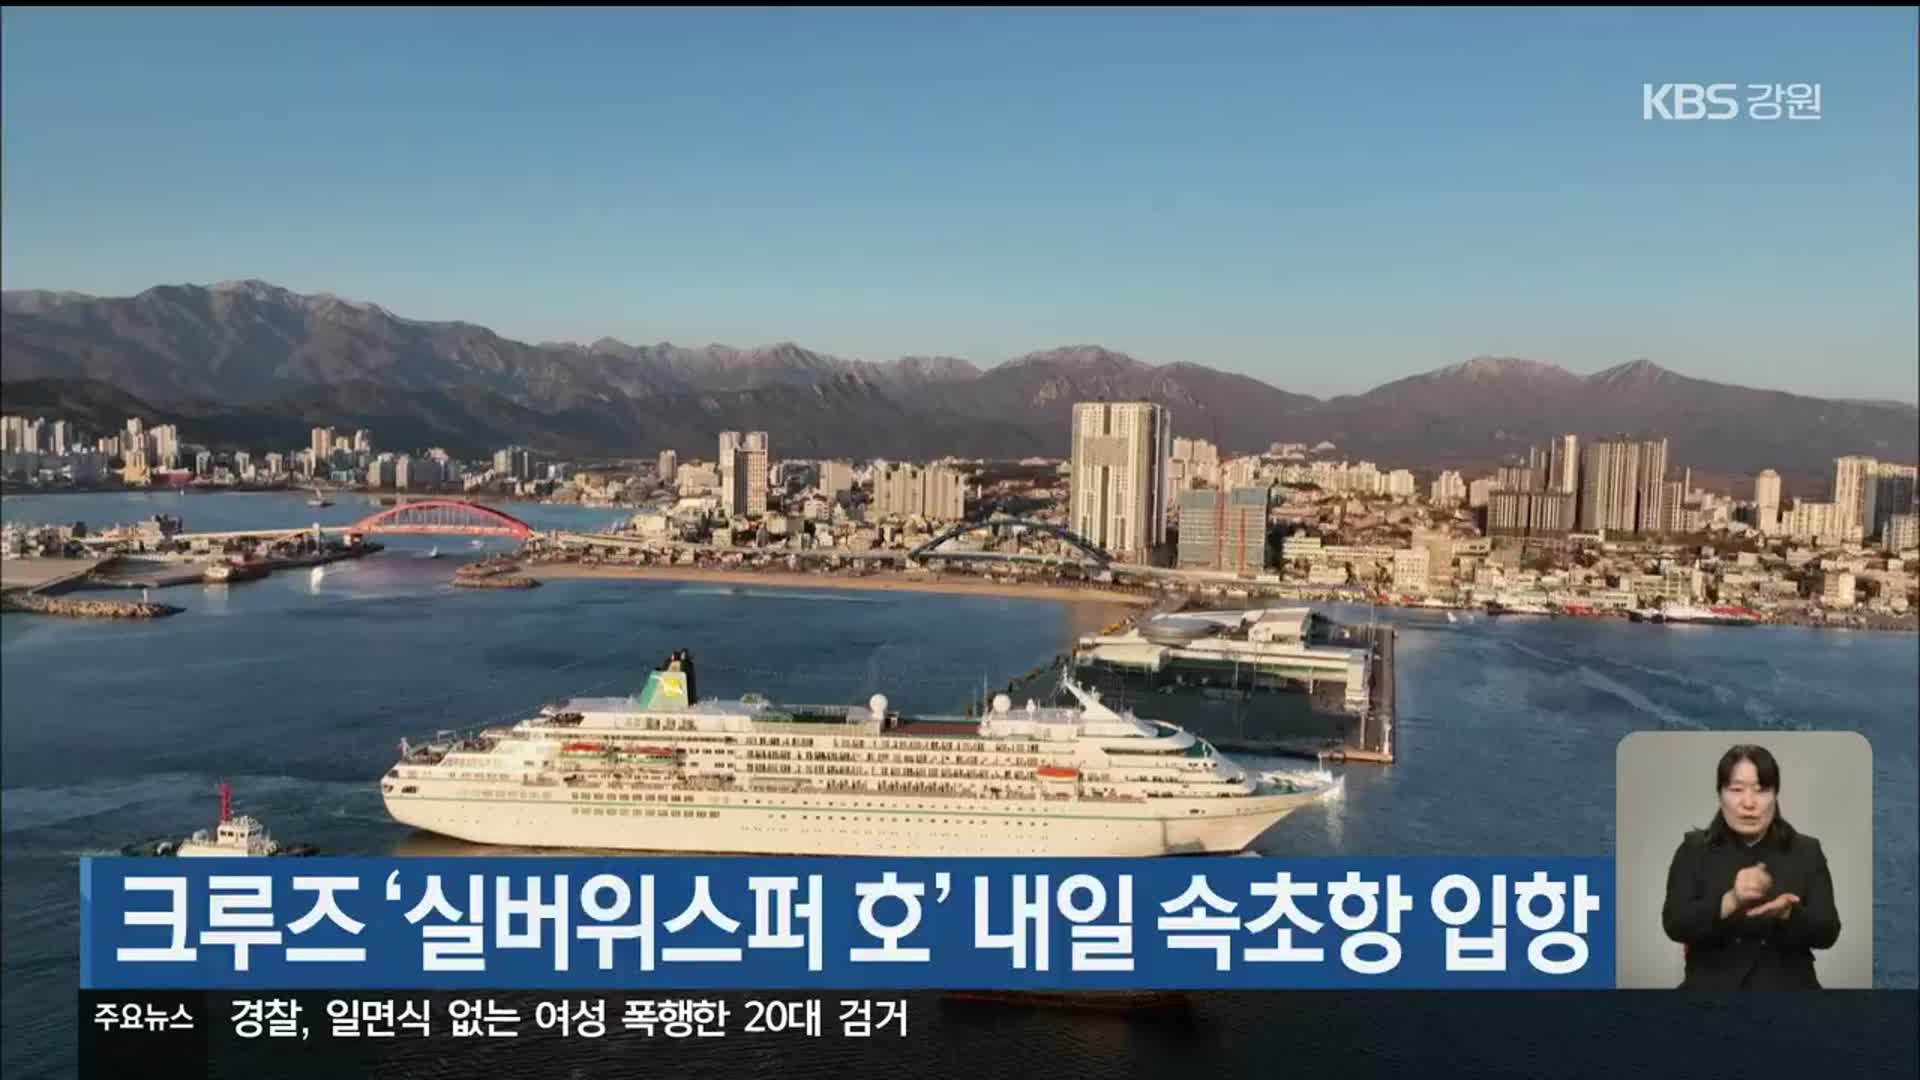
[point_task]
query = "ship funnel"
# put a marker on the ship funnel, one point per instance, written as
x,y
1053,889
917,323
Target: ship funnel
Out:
x,y
226,802
684,659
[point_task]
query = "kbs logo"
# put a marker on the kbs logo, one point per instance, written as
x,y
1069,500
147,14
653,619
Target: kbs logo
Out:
x,y
1689,101
1717,101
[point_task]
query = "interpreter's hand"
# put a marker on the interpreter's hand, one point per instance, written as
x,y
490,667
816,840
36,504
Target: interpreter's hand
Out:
x,y
1780,906
1750,886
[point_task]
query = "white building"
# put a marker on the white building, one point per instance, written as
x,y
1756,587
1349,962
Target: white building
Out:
x,y
1410,570
1854,487
1449,489
1766,502
1194,463
935,492
1821,522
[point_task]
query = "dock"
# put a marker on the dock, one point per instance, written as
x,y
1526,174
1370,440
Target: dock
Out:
x,y
46,576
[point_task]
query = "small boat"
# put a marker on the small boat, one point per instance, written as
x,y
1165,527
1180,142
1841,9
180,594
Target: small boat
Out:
x,y
319,499
435,553
318,573
1450,618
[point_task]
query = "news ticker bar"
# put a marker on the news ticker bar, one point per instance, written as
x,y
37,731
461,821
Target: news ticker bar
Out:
x,y
151,1033
574,923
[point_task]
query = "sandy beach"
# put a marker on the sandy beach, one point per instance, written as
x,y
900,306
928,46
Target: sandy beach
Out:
x,y
1120,604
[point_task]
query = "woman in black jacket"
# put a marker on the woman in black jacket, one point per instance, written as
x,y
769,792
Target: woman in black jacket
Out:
x,y
1748,897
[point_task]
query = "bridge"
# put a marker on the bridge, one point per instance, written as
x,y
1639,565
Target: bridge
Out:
x,y
442,517
929,550
423,517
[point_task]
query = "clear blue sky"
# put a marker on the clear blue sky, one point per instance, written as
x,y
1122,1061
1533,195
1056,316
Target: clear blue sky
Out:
x,y
1323,199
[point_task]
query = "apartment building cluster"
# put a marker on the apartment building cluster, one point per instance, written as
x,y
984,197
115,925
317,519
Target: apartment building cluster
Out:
x,y
1872,501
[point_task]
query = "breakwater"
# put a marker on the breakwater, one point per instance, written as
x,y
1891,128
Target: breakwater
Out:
x,y
85,609
496,581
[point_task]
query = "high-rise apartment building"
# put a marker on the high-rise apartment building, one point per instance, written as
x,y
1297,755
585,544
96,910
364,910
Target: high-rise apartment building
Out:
x,y
1224,530
1650,512
933,492
1193,463
744,483
1893,494
513,463
734,496
1448,489
835,477
1563,464
166,445
1119,478
1609,485
1766,501
669,465
1855,485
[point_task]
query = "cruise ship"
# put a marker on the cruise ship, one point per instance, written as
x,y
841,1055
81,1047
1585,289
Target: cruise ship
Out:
x,y
664,770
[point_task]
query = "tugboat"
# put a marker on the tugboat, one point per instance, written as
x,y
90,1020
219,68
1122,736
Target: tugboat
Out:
x,y
233,837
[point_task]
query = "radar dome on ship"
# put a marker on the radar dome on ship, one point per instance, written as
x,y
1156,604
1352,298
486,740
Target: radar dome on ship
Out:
x,y
1002,703
877,704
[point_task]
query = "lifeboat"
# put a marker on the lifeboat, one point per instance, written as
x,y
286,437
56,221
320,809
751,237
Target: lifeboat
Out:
x,y
1057,773
649,753
582,748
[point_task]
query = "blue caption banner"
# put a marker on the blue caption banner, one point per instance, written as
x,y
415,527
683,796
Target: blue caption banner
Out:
x,y
553,923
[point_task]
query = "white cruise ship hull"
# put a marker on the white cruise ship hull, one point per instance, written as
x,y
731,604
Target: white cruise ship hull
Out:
x,y
742,823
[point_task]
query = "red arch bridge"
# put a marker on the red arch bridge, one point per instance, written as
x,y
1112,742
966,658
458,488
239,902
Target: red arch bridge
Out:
x,y
442,517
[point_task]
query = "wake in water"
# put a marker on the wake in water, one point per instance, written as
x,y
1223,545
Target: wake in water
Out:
x,y
1640,702
27,809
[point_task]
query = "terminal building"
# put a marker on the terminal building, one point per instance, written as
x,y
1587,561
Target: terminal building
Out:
x,y
1286,679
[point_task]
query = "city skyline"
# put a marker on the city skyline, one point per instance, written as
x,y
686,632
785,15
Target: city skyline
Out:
x,y
1225,188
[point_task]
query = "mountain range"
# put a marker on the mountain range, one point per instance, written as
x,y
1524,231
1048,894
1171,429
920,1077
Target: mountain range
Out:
x,y
251,363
